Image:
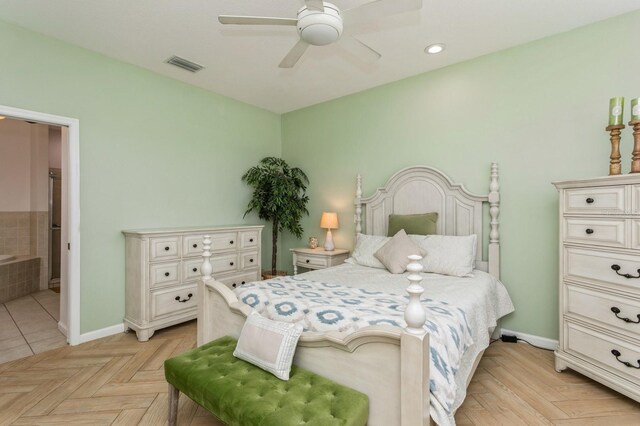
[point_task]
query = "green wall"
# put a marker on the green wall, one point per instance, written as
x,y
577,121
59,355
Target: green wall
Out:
x,y
154,152
539,110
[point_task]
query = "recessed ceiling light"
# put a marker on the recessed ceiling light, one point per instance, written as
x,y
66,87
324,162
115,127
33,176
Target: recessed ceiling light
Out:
x,y
434,48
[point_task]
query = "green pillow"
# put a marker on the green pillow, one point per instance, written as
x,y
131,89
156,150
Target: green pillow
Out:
x,y
419,224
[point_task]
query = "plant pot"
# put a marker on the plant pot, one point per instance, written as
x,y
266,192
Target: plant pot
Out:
x,y
267,275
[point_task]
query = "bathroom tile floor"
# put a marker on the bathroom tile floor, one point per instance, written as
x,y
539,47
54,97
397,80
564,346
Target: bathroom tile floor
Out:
x,y
29,325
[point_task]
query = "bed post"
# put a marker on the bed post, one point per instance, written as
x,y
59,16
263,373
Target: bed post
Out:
x,y
203,310
414,354
494,212
358,202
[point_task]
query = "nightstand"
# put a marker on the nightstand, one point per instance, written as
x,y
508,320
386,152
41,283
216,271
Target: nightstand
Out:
x,y
317,258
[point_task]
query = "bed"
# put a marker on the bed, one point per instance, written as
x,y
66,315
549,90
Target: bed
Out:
x,y
390,362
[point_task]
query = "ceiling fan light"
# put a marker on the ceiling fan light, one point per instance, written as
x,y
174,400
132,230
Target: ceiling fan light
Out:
x,y
433,49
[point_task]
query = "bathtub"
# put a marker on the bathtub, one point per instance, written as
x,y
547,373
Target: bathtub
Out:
x,y
19,276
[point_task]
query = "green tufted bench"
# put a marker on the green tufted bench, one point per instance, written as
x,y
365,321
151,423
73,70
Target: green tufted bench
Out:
x,y
241,394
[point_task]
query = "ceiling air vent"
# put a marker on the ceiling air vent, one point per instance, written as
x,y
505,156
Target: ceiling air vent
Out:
x,y
184,64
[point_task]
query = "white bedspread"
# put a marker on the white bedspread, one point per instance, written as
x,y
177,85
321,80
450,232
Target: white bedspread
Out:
x,y
483,298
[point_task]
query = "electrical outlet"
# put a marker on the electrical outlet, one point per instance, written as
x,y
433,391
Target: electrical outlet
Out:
x,y
509,339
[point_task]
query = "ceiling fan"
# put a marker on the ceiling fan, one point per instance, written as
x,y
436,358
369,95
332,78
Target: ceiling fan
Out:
x,y
320,23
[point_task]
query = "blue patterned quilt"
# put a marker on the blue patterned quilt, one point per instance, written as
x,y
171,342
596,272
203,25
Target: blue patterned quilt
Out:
x,y
321,306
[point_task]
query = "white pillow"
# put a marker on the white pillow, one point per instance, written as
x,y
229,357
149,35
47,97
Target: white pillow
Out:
x,y
449,255
268,344
365,250
395,253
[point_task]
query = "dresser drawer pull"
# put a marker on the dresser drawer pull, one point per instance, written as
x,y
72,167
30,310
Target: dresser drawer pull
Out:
x,y
250,240
166,248
617,354
617,269
195,246
244,282
234,285
166,274
231,242
189,296
589,231
230,263
616,311
589,200
195,269
251,260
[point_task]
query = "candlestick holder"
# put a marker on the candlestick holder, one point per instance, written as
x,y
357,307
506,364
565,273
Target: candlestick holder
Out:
x,y
635,159
614,164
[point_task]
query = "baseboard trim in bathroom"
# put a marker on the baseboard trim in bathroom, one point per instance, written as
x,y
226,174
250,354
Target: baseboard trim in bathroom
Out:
x,y
103,332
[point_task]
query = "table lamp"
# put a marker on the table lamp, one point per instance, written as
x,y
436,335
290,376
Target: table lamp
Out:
x,y
329,221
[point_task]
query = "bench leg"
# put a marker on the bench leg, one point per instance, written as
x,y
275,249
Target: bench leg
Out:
x,y
174,394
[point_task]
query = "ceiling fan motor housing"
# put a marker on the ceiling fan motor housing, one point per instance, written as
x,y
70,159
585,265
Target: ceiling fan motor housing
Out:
x,y
320,28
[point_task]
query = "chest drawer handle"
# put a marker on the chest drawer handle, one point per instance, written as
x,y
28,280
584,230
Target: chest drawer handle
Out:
x,y
251,260
617,269
230,263
195,246
166,248
617,354
234,285
616,311
166,274
195,269
307,260
250,240
189,296
589,231
231,242
244,282
589,200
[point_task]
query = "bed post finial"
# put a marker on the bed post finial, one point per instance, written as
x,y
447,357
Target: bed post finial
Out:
x,y
206,269
414,354
494,212
358,202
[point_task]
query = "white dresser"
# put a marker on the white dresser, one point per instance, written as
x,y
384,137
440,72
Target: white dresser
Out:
x,y
600,280
163,266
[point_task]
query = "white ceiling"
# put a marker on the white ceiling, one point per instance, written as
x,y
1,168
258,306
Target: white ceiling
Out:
x,y
242,62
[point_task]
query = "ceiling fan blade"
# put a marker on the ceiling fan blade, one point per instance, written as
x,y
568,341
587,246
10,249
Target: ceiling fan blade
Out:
x,y
361,50
256,20
315,5
381,8
294,54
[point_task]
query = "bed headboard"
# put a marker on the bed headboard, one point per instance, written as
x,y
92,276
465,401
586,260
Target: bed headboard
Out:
x,y
423,189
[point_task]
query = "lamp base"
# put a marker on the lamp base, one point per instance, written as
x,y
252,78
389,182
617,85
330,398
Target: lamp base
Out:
x,y
328,242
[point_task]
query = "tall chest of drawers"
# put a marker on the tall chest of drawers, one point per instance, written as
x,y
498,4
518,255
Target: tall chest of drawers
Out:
x,y
600,280
163,266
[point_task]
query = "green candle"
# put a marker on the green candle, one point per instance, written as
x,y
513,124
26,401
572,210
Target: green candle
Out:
x,y
635,109
616,111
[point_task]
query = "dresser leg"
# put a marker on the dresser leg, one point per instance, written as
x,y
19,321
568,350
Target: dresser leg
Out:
x,y
144,335
560,365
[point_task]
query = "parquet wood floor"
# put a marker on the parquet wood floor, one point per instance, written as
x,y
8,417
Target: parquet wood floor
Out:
x,y
119,381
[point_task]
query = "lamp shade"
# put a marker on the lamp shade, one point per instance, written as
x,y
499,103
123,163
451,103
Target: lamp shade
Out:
x,y
329,220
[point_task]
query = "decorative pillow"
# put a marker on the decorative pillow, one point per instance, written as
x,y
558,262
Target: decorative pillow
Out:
x,y
268,344
449,255
394,255
419,224
365,250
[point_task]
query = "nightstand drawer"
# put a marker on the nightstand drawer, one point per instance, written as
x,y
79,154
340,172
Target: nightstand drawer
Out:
x,y
602,232
606,199
311,261
164,248
164,274
173,301
609,310
235,281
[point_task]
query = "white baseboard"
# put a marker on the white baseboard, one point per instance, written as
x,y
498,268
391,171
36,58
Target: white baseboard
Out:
x,y
63,329
543,342
103,332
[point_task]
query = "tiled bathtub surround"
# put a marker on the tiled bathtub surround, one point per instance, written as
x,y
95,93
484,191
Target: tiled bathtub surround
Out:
x,y
19,277
27,233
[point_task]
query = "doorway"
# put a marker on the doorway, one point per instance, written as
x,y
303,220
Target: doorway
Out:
x,y
69,217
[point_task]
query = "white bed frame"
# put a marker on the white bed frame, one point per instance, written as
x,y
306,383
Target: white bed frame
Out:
x,y
389,364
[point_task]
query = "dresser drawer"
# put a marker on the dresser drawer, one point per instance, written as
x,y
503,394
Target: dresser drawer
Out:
x,y
598,348
249,239
191,269
235,281
606,199
602,232
224,263
164,248
608,309
224,241
311,261
192,245
173,301
249,260
161,274
602,267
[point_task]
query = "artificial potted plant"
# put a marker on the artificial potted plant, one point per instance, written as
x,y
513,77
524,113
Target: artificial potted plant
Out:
x,y
278,197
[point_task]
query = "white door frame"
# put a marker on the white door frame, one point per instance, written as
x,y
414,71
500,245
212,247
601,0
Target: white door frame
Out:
x,y
73,210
